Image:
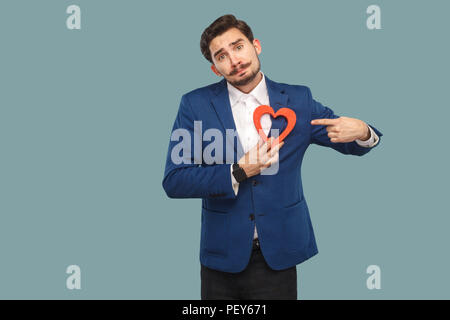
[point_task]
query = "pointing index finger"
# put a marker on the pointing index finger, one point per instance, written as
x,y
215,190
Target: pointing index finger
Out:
x,y
323,122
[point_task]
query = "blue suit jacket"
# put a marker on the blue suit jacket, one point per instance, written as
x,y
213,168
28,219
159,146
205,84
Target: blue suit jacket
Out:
x,y
275,203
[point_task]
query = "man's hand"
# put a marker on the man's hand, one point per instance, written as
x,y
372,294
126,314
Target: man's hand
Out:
x,y
261,156
344,129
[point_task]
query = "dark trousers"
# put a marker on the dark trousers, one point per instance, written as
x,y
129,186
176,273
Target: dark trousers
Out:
x,y
257,281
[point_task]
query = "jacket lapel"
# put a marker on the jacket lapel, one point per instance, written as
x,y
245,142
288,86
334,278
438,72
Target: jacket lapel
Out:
x,y
278,99
221,103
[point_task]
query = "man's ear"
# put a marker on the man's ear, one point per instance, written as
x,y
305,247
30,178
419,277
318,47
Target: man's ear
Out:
x,y
213,68
257,46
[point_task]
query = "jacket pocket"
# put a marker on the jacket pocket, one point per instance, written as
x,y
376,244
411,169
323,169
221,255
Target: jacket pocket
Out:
x,y
294,204
296,227
214,210
215,232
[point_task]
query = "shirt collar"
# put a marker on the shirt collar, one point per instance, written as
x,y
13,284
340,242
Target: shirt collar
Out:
x,y
259,92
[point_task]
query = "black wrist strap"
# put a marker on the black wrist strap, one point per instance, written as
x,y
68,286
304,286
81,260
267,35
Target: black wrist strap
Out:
x,y
238,173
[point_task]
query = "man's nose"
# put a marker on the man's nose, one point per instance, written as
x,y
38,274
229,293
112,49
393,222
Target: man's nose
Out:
x,y
235,60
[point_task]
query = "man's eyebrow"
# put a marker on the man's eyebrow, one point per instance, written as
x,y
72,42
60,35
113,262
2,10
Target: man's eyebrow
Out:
x,y
231,44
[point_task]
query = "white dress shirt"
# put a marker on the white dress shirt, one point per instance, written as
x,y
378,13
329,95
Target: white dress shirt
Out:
x,y
243,105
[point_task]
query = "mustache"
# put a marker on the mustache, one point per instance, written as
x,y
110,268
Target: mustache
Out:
x,y
234,71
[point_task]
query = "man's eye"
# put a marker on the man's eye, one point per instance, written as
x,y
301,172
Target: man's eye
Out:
x,y
239,46
221,56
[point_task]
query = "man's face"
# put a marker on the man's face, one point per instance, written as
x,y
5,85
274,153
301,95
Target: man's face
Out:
x,y
235,57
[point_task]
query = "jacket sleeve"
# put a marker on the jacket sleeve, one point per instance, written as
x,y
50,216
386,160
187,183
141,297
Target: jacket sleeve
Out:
x,y
191,177
319,134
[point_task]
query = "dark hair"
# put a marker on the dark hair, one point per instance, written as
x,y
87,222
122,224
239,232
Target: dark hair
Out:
x,y
222,24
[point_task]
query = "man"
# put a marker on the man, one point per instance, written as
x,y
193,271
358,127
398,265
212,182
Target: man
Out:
x,y
255,227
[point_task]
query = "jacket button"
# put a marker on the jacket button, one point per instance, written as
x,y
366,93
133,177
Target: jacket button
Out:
x,y
252,216
255,182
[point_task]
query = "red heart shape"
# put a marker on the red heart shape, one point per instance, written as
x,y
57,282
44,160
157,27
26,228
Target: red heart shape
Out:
x,y
289,114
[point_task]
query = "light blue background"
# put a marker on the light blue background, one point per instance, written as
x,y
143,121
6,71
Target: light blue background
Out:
x,y
85,120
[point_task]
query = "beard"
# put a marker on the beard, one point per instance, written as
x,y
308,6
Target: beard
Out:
x,y
249,78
